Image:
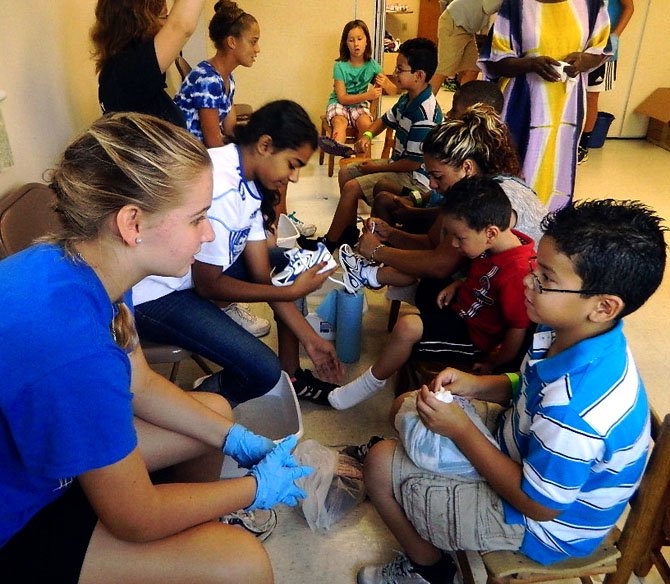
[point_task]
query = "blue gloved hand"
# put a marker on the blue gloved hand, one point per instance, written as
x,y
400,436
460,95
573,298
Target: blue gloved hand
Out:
x,y
614,43
246,447
276,475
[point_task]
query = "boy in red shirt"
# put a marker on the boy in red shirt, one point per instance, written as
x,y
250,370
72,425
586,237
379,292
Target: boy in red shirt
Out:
x,y
481,318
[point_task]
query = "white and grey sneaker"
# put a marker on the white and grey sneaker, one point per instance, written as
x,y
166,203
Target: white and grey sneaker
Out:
x,y
300,260
260,522
399,571
353,270
306,229
240,313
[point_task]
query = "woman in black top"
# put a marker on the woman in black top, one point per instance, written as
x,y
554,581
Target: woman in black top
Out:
x,y
135,42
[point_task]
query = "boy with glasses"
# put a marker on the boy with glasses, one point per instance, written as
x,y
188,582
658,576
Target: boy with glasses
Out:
x,y
574,439
412,117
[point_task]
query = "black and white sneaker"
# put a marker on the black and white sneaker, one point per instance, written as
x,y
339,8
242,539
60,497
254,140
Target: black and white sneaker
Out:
x,y
260,522
360,451
310,388
582,154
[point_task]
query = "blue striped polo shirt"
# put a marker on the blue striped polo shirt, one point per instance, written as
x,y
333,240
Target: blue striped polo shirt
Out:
x,y
580,428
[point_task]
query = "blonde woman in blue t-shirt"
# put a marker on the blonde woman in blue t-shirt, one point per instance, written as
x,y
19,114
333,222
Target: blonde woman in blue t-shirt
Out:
x,y
357,80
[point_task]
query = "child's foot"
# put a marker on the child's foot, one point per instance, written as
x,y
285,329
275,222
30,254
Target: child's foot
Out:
x,y
310,388
306,229
582,154
357,271
403,571
356,391
350,235
260,522
330,146
360,451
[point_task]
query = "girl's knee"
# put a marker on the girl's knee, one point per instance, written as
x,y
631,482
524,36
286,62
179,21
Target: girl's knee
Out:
x,y
397,403
241,558
215,402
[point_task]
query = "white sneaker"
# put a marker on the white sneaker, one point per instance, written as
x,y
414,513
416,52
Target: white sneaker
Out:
x,y
306,229
401,571
300,260
257,326
352,270
260,522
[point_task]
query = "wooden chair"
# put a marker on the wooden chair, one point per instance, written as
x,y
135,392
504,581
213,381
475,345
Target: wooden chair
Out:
x,y
352,136
27,214
624,552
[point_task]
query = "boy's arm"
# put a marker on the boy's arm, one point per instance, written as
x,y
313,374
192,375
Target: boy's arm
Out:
x,y
500,471
440,262
507,351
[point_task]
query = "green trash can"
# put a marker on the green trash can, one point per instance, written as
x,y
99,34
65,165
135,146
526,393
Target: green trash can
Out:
x,y
599,133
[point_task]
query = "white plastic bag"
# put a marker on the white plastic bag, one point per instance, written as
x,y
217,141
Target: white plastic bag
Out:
x,y
333,489
432,451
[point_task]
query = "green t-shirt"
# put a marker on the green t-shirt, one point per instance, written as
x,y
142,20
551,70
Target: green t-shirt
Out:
x,y
356,79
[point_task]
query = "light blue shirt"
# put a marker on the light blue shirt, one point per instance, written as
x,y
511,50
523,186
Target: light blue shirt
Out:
x,y
580,428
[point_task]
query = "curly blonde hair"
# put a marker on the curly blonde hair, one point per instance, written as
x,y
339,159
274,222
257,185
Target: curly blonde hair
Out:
x,y
479,135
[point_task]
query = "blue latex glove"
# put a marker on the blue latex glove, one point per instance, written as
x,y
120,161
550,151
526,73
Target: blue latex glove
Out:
x,y
276,475
614,43
246,447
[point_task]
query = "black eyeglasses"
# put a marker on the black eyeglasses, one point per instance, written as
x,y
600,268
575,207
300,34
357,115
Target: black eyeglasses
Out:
x,y
399,70
540,289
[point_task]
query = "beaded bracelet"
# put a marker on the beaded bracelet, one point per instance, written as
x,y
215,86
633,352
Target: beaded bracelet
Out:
x,y
375,250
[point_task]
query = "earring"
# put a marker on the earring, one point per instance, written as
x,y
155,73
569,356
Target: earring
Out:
x,y
138,240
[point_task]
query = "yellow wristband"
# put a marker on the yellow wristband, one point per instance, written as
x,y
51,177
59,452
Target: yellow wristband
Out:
x,y
416,198
515,380
369,134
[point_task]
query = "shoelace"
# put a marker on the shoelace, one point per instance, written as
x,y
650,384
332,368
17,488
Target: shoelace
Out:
x,y
400,566
244,314
293,218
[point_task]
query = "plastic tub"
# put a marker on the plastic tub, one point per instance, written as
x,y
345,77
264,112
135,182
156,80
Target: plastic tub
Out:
x,y
275,415
287,232
599,133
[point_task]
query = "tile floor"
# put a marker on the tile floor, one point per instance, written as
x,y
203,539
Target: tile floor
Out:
x,y
622,169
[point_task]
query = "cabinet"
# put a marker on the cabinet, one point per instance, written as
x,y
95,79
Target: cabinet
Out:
x,y
429,12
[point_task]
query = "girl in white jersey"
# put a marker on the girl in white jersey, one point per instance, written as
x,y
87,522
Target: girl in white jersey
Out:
x,y
236,267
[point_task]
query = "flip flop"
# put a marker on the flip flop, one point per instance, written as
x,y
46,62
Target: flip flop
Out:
x,y
330,146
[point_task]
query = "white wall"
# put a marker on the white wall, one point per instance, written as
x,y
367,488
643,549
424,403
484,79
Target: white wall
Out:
x,y
299,44
643,66
49,79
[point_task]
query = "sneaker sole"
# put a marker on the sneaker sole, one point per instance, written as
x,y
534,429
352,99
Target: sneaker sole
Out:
x,y
263,532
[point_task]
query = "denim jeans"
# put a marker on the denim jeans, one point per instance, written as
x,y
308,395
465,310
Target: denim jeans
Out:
x,y
250,367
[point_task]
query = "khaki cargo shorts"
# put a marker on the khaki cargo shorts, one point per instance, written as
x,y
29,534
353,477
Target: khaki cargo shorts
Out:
x,y
453,513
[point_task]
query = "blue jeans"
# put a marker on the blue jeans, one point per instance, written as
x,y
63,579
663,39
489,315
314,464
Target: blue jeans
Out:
x,y
250,367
